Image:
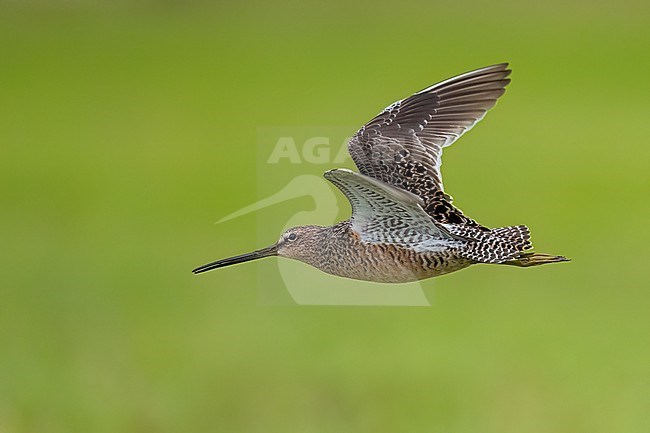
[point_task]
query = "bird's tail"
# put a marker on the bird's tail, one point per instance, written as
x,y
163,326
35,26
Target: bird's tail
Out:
x,y
534,259
498,245
516,237
507,245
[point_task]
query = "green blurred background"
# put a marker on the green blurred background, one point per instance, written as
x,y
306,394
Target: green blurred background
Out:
x,y
128,128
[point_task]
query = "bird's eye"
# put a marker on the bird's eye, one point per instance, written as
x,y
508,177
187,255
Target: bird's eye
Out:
x,y
292,237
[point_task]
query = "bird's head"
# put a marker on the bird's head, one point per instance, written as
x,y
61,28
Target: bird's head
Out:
x,y
300,243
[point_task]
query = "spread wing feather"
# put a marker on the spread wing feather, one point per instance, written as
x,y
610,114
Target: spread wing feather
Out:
x,y
402,146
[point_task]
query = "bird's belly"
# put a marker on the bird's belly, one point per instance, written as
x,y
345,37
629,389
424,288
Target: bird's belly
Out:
x,y
390,264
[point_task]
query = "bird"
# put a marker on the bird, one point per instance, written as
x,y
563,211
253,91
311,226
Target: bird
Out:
x,y
404,226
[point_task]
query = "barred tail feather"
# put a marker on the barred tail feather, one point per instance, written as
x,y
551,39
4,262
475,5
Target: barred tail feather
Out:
x,y
503,245
517,236
534,259
499,245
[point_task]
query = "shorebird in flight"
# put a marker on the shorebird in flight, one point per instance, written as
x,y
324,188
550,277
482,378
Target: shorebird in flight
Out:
x,y
404,226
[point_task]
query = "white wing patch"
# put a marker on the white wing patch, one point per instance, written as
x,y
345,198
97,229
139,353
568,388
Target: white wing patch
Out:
x,y
382,213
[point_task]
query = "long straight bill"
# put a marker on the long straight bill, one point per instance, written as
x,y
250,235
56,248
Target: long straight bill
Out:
x,y
264,252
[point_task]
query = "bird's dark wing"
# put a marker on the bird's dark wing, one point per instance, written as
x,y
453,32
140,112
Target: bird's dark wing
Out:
x,y
403,145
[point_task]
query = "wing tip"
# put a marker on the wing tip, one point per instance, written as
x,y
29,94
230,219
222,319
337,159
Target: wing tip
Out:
x,y
474,73
503,66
